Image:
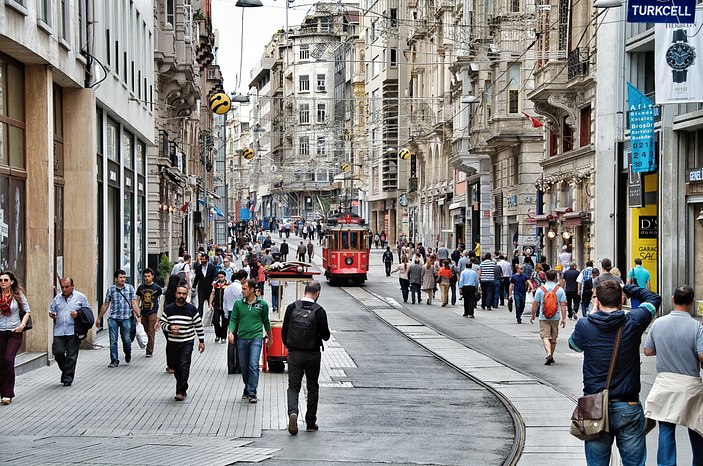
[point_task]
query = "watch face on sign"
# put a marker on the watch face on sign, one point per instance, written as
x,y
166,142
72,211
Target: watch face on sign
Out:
x,y
680,56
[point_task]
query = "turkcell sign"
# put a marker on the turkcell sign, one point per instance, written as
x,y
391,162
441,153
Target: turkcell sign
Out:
x,y
664,11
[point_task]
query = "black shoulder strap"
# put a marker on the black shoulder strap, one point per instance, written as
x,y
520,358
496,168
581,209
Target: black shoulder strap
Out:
x,y
614,357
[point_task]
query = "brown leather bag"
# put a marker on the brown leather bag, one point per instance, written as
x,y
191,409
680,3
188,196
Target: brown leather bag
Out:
x,y
590,417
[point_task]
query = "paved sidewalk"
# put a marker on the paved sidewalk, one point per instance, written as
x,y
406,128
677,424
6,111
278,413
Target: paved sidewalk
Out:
x,y
131,409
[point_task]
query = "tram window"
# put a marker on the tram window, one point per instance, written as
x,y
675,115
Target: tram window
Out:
x,y
345,240
364,241
332,240
354,240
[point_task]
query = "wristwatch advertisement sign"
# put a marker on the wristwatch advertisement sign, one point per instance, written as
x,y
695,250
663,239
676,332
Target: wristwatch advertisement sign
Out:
x,y
679,61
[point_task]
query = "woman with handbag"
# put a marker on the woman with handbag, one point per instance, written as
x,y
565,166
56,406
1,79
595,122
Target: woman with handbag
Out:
x,y
14,319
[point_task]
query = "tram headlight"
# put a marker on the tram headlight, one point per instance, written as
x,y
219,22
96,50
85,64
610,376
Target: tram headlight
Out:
x,y
349,261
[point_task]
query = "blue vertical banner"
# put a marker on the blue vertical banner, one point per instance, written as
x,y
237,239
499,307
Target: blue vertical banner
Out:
x,y
641,120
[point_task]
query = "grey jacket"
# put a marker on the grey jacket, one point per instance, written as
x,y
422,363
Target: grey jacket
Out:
x,y
415,273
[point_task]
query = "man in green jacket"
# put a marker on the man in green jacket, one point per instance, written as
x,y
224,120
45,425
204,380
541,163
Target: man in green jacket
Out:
x,y
250,316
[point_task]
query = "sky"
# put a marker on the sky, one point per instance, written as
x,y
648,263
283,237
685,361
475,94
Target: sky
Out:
x,y
259,26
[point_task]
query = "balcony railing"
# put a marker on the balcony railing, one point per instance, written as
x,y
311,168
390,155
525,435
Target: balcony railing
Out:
x,y
578,62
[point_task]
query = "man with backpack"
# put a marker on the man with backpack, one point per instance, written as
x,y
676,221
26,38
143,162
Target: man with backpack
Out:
x,y
304,329
388,260
550,299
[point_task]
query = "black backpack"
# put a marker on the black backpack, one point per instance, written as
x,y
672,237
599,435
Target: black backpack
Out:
x,y
302,327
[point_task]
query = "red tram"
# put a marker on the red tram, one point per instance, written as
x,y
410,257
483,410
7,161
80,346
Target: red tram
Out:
x,y
345,249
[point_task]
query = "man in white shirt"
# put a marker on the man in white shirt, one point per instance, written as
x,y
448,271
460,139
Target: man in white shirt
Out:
x,y
507,271
565,258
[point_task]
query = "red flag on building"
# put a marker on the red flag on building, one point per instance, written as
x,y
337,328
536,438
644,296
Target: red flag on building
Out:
x,y
184,208
535,123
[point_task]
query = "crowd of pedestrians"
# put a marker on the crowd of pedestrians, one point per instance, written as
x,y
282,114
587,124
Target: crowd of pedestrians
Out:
x,y
231,281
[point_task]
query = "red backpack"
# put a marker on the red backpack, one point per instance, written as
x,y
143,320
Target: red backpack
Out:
x,y
550,302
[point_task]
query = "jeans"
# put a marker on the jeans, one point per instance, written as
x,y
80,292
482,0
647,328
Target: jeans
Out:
x,y
178,356
666,453
586,302
10,343
415,290
249,352
65,350
124,326
452,288
404,288
627,425
308,363
388,268
149,321
487,289
275,290
497,292
519,303
469,294
572,303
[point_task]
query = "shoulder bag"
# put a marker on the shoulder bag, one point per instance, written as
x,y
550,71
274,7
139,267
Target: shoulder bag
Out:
x,y
590,417
29,324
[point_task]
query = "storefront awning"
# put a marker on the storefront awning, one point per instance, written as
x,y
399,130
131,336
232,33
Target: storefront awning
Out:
x,y
544,220
573,219
456,205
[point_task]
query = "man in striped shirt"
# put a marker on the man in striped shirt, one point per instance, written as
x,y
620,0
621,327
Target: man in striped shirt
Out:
x,y
486,274
181,321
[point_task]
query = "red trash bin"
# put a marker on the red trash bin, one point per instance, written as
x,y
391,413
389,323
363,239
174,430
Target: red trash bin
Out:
x,y
275,356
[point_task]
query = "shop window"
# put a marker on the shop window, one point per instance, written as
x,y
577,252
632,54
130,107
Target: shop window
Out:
x,y
128,221
128,149
112,148
140,150
12,155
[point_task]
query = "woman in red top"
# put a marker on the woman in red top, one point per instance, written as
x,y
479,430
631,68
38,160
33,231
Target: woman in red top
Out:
x,y
444,276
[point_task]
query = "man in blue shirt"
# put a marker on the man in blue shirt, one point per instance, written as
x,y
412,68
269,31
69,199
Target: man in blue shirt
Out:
x,y
639,276
468,283
519,286
123,299
549,326
63,311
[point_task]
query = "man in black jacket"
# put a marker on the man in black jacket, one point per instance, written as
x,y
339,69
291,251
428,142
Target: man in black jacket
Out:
x,y
284,251
304,353
204,277
388,260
